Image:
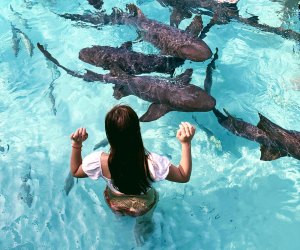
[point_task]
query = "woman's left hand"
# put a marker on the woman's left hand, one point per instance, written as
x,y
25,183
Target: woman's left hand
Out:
x,y
79,136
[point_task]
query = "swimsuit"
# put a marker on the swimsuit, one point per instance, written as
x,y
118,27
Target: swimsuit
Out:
x,y
133,205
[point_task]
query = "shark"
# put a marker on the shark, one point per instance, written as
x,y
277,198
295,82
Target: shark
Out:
x,y
222,12
4,149
103,143
165,94
170,40
17,36
275,141
69,183
26,193
128,60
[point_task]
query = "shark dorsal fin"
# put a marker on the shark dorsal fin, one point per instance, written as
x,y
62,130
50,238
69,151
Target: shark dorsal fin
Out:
x,y
262,121
127,45
154,112
227,113
265,124
270,153
185,78
220,116
253,19
231,117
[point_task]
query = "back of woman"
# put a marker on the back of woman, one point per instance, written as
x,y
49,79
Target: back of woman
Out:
x,y
128,168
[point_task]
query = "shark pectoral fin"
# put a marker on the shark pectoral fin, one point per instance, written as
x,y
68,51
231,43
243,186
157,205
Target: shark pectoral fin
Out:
x,y
185,77
119,92
195,26
154,112
270,153
127,45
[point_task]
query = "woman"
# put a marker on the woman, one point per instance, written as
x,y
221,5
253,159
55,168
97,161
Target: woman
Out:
x,y
129,169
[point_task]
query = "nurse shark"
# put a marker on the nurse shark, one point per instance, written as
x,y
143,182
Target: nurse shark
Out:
x,y
17,36
26,193
128,60
170,40
165,94
221,12
275,141
103,143
69,183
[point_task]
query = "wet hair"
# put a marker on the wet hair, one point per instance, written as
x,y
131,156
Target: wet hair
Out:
x,y
127,160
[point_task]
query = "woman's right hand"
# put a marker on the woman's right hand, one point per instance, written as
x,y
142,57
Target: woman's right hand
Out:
x,y
185,132
79,136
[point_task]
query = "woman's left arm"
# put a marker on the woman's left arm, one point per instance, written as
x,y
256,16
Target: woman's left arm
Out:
x,y
79,136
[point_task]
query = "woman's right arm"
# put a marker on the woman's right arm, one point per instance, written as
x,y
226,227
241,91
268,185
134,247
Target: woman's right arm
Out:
x,y
182,173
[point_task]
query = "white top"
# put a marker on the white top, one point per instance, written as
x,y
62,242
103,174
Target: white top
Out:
x,y
158,168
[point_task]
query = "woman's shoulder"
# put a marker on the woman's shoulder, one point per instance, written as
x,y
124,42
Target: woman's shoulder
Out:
x,y
91,164
157,157
93,156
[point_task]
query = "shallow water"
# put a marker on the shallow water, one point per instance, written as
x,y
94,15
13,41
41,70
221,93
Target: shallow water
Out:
x,y
233,201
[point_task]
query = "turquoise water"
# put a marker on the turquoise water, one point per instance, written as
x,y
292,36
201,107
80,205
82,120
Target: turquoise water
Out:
x,y
233,201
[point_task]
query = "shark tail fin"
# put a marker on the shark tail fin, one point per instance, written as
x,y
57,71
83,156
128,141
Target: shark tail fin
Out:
x,y
272,152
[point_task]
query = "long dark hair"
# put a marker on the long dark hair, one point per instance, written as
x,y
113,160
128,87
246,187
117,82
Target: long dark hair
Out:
x,y
127,160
